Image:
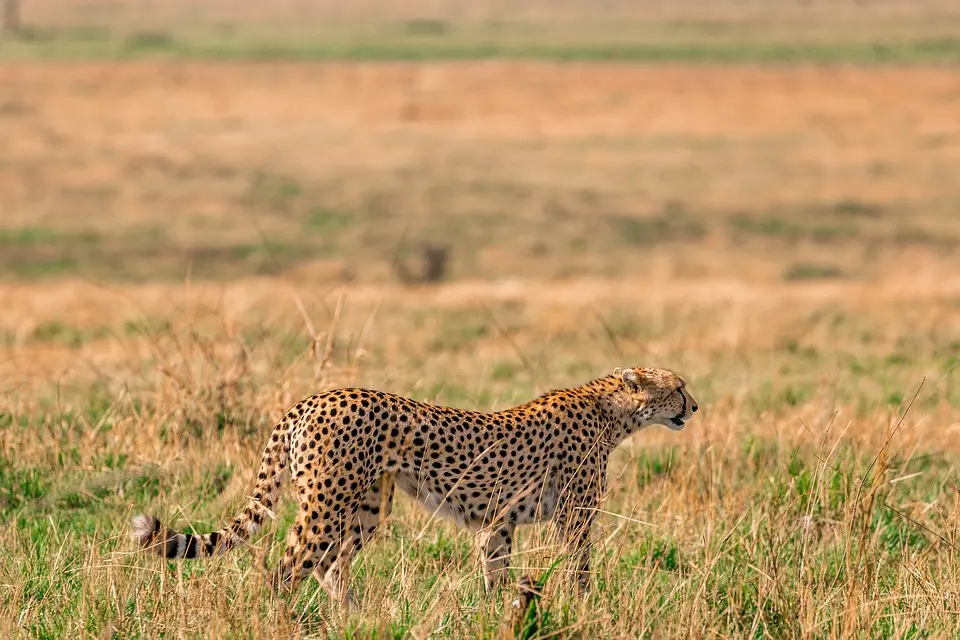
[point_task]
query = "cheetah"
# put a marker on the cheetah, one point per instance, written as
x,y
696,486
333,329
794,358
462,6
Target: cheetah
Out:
x,y
347,449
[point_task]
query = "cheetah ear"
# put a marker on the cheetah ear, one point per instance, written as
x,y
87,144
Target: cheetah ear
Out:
x,y
629,377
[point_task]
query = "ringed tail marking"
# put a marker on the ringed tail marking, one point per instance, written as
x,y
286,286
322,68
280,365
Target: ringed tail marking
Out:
x,y
152,535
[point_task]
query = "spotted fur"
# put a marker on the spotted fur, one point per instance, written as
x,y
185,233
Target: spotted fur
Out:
x,y
348,448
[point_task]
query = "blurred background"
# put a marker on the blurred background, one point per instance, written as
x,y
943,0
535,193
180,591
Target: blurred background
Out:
x,y
386,141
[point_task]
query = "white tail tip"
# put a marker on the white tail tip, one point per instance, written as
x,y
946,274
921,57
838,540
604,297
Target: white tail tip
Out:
x,y
143,528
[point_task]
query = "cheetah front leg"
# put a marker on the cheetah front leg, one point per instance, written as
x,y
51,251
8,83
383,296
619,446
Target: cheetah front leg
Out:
x,y
573,522
574,532
496,546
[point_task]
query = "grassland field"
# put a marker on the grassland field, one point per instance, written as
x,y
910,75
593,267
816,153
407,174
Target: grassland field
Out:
x,y
200,224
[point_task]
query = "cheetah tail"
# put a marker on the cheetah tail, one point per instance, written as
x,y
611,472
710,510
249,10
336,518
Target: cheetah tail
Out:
x,y
152,535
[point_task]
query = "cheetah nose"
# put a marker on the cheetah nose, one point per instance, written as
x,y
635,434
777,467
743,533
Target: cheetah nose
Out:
x,y
694,408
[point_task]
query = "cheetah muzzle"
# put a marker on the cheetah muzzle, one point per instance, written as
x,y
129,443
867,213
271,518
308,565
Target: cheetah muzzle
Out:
x,y
347,450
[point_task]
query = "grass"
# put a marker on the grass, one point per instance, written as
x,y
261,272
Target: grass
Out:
x,y
809,271
804,499
178,269
305,233
607,174
33,236
142,46
746,41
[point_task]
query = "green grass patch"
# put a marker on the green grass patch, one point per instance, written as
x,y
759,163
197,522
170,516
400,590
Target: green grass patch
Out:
x,y
59,332
325,221
673,224
38,236
147,41
812,271
815,224
426,40
45,268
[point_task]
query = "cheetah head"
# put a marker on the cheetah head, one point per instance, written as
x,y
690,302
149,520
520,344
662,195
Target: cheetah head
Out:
x,y
642,397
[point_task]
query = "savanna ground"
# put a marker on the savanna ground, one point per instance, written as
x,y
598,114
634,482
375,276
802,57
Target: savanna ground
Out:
x,y
189,245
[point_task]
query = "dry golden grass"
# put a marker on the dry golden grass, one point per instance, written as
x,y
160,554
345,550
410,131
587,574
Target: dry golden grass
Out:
x,y
535,13
153,170
796,504
188,248
780,31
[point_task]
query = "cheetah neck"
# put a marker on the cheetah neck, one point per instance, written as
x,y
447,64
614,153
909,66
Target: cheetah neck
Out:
x,y
593,398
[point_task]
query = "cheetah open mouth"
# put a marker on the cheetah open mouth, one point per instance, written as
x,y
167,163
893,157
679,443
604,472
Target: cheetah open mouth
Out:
x,y
679,419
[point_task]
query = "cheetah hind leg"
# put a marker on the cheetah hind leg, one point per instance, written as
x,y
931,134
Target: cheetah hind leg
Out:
x,y
313,542
373,510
